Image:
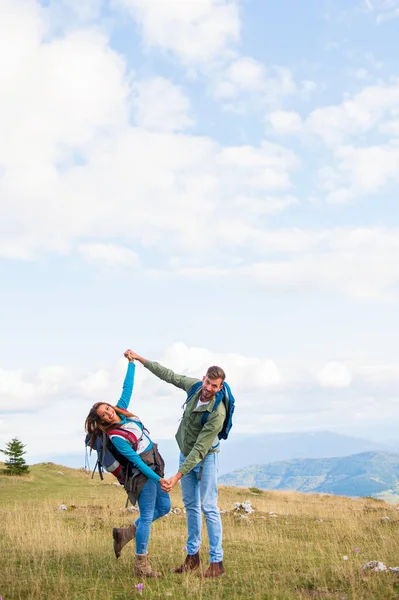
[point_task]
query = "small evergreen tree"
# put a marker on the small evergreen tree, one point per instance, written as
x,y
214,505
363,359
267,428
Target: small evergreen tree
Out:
x,y
15,465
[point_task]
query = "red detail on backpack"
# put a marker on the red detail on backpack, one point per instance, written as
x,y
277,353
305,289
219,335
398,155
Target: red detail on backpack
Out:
x,y
119,473
127,435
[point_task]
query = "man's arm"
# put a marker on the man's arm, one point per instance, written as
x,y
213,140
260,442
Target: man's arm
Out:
x,y
135,356
205,439
202,445
180,381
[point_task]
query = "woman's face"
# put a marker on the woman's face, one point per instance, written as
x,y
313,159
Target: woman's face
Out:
x,y
107,414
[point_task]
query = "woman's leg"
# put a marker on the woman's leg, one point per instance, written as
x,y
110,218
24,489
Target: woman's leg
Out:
x,y
162,503
146,502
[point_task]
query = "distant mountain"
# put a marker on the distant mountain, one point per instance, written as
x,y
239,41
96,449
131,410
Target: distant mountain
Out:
x,y
243,450
364,474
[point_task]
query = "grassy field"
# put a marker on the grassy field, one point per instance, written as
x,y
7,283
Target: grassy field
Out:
x,y
296,552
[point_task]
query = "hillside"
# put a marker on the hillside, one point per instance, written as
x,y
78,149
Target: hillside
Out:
x,y
365,474
293,546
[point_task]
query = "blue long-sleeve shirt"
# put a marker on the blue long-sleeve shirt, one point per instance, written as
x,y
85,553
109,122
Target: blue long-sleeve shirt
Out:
x,y
119,442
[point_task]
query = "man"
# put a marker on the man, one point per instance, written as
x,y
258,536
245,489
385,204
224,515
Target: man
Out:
x,y
199,443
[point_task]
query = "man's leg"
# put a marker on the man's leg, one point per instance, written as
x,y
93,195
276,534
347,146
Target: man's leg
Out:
x,y
209,504
191,500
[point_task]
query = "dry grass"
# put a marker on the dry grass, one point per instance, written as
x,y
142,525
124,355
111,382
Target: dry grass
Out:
x,y
48,554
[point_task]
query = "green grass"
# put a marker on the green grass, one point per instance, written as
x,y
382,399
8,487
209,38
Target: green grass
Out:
x,y
48,554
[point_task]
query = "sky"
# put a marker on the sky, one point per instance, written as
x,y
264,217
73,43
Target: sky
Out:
x,y
203,181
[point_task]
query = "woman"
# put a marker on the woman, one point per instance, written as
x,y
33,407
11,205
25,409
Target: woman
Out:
x,y
144,484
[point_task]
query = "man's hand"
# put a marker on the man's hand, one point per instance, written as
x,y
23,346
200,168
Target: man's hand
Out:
x,y
173,480
130,355
165,485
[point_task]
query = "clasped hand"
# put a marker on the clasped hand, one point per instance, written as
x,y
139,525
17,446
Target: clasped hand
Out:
x,y
168,484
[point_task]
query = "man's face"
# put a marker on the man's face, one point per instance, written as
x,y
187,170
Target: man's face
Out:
x,y
210,387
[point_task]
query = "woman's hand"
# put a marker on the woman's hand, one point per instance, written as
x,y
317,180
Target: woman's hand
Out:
x,y
165,485
129,355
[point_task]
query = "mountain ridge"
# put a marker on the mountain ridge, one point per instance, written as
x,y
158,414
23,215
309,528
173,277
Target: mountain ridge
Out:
x,y
364,474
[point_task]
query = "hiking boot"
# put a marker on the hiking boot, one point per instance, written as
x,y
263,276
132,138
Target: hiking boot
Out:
x,y
214,570
142,567
122,536
191,563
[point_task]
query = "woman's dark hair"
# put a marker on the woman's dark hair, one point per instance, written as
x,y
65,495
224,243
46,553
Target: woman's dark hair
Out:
x,y
95,427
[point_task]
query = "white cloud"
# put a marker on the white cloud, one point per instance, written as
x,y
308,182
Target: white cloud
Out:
x,y
360,171
267,204
385,377
160,105
391,128
109,255
13,387
146,187
359,168
264,168
247,74
241,372
60,95
355,115
335,375
385,10
74,173
388,16
285,122
359,262
83,10
21,393
197,31
96,383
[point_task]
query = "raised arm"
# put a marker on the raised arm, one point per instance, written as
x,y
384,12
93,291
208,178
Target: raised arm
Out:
x,y
180,381
128,383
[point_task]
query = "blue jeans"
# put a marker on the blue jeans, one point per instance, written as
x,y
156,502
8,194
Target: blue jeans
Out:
x,y
202,494
153,503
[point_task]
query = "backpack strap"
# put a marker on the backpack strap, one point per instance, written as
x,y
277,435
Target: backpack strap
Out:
x,y
221,396
100,459
104,445
126,435
143,428
193,389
